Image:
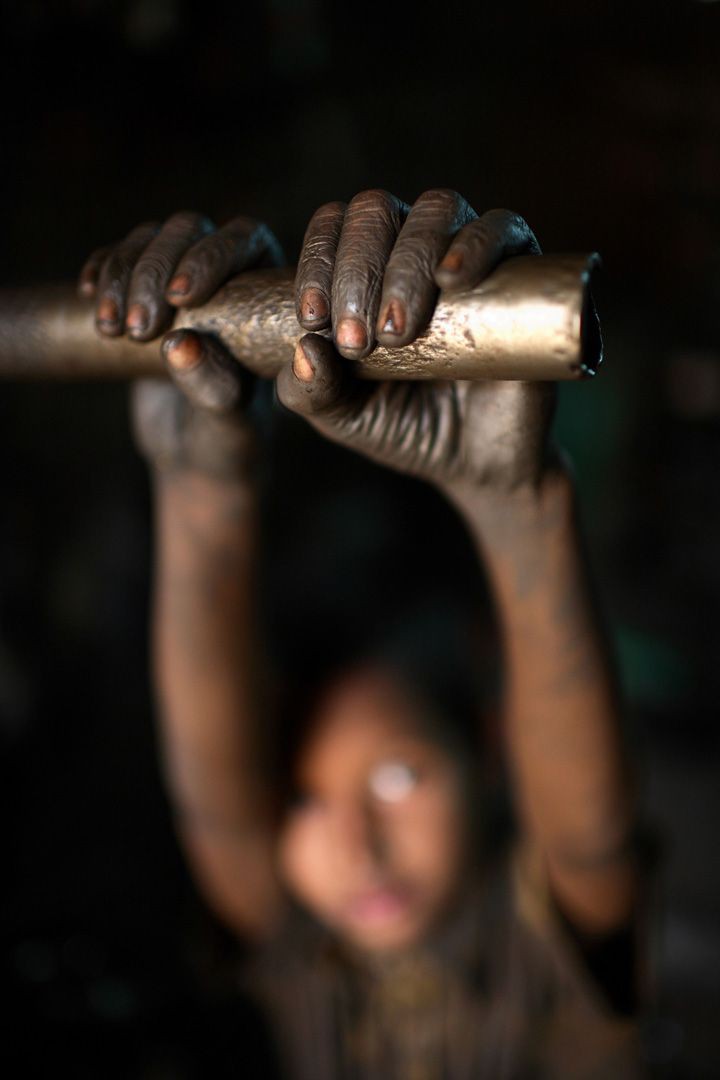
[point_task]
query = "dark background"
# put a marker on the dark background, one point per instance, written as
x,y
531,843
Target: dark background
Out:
x,y
600,123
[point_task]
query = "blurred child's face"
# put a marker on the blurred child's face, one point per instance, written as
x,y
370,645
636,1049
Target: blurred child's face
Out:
x,y
375,846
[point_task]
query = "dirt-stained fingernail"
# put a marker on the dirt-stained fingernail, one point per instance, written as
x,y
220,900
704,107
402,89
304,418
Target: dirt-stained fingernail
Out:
x,y
137,318
314,306
351,334
180,285
183,350
302,367
452,262
393,321
107,312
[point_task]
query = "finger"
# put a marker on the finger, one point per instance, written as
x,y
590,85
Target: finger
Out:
x,y
114,278
240,244
313,280
88,278
481,245
201,368
372,222
409,287
318,386
148,312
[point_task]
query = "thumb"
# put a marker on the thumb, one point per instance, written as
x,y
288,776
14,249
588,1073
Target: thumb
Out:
x,y
320,386
207,375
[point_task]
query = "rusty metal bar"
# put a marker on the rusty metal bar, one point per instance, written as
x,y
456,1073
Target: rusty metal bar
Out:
x,y
533,318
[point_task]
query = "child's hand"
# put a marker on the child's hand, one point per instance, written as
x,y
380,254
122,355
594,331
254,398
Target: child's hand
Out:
x,y
138,283
372,271
194,421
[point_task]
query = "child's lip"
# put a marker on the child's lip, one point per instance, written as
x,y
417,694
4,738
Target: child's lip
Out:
x,y
383,904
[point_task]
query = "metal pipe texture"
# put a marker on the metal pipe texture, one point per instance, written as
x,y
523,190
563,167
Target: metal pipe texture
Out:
x,y
533,318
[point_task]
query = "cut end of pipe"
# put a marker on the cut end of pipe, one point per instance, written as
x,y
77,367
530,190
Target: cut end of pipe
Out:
x,y
591,342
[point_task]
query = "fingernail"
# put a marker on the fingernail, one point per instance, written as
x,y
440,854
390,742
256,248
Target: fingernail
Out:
x,y
184,351
302,368
394,320
351,334
314,306
107,312
453,262
138,318
87,288
180,285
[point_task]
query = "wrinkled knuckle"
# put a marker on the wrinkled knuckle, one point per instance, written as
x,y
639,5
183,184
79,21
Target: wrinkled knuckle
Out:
x,y
152,271
207,257
416,260
318,255
356,282
326,220
331,209
442,200
374,201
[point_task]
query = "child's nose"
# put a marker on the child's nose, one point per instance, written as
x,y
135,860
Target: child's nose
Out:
x,y
361,836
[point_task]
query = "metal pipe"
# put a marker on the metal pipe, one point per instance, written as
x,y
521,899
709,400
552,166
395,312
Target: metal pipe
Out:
x,y
533,318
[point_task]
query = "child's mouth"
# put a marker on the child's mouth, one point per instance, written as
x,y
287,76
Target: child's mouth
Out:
x,y
374,906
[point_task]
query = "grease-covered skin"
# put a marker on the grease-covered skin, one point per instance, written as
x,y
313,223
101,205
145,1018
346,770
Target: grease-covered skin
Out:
x,y
371,271
195,421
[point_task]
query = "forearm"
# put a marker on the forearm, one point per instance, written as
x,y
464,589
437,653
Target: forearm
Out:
x,y
561,705
204,646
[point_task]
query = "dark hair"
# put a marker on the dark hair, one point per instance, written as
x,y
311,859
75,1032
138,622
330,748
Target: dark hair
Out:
x,y
377,572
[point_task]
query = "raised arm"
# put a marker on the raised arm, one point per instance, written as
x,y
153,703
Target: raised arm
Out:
x,y
572,782
485,446
199,444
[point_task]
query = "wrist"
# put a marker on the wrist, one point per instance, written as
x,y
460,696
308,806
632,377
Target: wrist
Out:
x,y
210,505
499,516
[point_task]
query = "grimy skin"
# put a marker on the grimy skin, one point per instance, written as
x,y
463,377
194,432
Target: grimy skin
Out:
x,y
372,271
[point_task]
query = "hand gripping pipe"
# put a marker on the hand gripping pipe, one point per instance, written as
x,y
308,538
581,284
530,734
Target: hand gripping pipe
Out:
x,y
533,318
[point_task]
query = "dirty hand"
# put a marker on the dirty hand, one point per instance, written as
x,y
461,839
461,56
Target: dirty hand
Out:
x,y
372,271
196,419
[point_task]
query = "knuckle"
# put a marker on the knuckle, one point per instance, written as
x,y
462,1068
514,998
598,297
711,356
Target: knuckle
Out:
x,y
318,254
507,220
328,212
441,200
374,201
210,254
413,261
152,271
324,226
477,234
513,229
356,285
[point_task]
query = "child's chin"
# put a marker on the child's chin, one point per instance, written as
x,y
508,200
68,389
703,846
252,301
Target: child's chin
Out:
x,y
389,937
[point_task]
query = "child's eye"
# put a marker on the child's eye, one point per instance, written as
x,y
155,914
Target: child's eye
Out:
x,y
392,781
